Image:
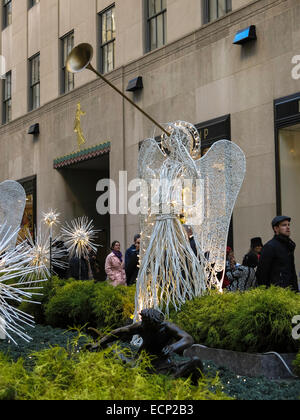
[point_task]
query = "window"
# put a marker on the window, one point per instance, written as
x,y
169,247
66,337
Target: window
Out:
x,y
156,24
34,94
7,13
214,9
7,98
67,79
108,40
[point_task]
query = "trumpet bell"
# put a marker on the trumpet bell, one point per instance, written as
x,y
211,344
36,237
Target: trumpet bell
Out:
x,y
79,58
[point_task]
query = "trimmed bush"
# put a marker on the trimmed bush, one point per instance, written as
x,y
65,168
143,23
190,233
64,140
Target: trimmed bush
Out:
x,y
71,305
259,320
50,288
113,307
98,304
61,375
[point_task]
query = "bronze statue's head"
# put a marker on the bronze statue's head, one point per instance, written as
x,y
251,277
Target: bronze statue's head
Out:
x,y
152,316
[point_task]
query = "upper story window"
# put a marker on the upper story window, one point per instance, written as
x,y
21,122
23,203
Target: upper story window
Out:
x,y
107,40
67,80
33,3
214,9
34,93
7,12
6,115
156,24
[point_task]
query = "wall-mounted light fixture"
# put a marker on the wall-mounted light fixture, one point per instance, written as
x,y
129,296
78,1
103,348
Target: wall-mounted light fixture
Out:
x,y
245,35
135,84
34,129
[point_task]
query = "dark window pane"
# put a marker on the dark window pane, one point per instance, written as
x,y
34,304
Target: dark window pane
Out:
x,y
108,36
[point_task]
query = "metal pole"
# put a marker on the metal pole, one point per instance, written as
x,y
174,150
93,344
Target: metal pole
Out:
x,y
90,67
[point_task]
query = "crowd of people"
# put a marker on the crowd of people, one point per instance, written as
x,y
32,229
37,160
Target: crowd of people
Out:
x,y
269,264
265,265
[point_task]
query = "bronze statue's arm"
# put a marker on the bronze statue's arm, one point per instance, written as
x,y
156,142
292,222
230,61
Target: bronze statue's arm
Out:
x,y
183,340
123,333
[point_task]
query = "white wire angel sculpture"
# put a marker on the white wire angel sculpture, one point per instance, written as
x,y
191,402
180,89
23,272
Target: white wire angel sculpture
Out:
x,y
170,270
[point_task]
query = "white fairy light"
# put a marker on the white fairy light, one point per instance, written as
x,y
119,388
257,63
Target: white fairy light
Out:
x,y
79,236
15,264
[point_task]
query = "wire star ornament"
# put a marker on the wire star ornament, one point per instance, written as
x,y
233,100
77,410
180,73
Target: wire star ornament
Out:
x,y
15,264
79,236
39,251
51,218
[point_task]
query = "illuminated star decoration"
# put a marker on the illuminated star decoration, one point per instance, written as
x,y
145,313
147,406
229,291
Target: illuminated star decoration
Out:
x,y
51,218
39,251
14,265
79,236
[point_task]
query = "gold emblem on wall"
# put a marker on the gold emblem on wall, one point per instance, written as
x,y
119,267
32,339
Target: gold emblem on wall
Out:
x,y
77,127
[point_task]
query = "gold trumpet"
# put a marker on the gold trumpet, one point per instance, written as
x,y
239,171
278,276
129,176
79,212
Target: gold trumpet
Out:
x,y
80,59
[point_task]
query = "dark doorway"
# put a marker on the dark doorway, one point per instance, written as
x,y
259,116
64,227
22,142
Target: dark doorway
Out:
x,y
82,178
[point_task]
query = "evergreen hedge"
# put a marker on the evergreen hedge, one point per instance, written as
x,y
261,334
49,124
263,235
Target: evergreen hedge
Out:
x,y
257,321
68,303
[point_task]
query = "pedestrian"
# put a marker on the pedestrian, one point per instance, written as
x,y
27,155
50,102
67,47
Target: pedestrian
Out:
x,y
132,261
252,258
114,266
78,268
230,265
277,263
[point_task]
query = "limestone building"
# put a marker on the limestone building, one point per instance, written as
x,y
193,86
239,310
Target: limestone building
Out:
x,y
191,70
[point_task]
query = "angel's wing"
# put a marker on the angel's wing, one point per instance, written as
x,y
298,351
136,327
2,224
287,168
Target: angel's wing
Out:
x,y
150,161
222,171
12,205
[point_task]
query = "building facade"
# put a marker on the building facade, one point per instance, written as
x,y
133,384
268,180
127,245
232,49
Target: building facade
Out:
x,y
191,70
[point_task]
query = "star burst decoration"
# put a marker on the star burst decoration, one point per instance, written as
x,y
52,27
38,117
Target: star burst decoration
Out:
x,y
79,236
51,218
39,251
15,265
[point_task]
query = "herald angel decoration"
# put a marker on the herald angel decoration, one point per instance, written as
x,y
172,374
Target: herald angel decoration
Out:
x,y
176,180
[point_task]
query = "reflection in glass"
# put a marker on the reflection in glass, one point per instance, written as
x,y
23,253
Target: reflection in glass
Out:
x,y
289,166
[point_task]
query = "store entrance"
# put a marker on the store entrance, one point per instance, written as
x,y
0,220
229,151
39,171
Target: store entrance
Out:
x,y
81,179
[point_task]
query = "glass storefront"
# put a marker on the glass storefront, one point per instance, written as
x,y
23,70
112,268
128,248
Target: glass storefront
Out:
x,y
289,170
287,145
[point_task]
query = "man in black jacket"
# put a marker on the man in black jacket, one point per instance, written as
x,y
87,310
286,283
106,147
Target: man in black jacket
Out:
x,y
132,261
277,264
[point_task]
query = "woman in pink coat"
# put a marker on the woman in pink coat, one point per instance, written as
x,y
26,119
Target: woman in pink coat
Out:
x,y
114,266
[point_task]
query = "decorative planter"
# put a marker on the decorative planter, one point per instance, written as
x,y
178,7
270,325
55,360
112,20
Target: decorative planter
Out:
x,y
270,365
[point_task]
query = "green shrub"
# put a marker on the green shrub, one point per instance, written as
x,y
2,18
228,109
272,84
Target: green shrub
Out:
x,y
59,375
49,289
113,307
71,305
297,364
82,302
259,320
